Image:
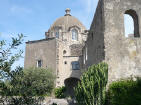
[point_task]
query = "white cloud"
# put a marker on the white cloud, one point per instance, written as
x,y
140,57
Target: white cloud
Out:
x,y
19,9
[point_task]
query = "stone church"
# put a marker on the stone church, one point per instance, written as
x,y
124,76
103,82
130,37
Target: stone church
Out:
x,y
68,48
61,50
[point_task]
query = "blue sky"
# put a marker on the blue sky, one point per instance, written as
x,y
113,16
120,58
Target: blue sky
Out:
x,y
34,17
129,25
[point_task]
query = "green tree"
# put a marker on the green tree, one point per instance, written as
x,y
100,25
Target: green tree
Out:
x,y
21,87
7,58
29,85
92,88
33,82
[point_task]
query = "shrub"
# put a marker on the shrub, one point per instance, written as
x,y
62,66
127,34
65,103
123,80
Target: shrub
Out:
x,y
91,89
28,86
125,92
60,92
32,82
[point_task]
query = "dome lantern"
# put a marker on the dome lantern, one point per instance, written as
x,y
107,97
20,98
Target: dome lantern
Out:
x,y
68,12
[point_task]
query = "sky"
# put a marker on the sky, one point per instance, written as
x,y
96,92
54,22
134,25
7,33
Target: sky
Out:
x,y
128,24
33,18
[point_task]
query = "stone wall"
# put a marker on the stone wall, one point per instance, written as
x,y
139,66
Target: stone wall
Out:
x,y
50,101
107,41
44,50
95,41
64,65
122,54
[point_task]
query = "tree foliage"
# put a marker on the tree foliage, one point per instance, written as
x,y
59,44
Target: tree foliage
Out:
x,y
33,82
124,92
21,87
91,90
29,86
7,58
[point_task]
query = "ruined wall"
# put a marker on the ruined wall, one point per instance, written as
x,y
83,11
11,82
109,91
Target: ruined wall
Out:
x,y
122,54
109,43
44,50
95,42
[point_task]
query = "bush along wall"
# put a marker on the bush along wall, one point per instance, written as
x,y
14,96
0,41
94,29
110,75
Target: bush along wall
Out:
x,y
92,88
60,92
125,92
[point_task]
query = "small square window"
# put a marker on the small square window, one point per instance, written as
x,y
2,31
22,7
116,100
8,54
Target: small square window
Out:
x,y
75,65
39,63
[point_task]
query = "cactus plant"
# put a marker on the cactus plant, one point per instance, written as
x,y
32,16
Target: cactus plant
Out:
x,y
91,90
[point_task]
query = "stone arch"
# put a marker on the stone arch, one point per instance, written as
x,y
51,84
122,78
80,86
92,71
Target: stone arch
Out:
x,y
134,15
70,83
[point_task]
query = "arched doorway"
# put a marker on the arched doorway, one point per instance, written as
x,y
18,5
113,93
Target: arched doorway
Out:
x,y
70,83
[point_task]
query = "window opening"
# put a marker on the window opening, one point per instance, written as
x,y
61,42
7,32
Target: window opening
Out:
x,y
64,52
39,63
75,65
131,24
74,34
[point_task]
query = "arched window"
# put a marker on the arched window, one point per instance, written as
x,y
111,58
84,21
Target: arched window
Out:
x,y
64,52
131,23
74,34
57,33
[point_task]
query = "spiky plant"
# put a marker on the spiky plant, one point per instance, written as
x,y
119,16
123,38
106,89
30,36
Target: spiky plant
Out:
x,y
91,89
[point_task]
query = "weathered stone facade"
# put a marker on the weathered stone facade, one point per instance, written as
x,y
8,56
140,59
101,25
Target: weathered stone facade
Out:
x,y
61,50
44,50
107,42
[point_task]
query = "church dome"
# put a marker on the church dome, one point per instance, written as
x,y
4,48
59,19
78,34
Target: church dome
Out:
x,y
67,21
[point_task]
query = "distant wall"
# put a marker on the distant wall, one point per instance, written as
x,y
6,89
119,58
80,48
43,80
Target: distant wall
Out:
x,y
44,50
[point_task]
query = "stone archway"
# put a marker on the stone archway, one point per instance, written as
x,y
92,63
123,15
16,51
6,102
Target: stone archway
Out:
x,y
70,83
